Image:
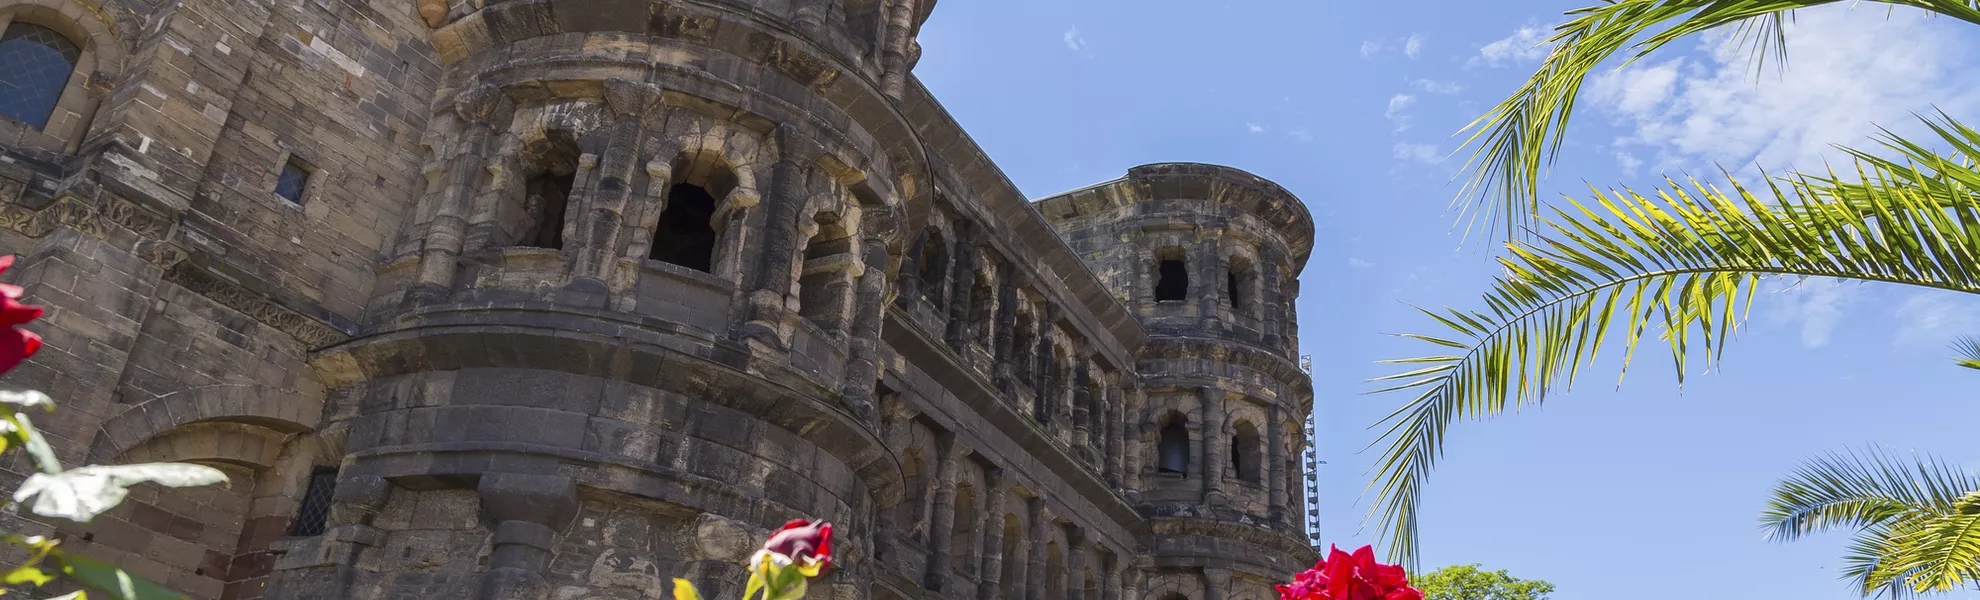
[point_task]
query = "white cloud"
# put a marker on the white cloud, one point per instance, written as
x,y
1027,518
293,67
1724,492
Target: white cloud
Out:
x,y
1423,153
1397,104
1932,319
1815,306
1359,264
1254,128
1413,46
1301,135
1370,48
1526,44
1437,87
1849,72
1629,163
1074,41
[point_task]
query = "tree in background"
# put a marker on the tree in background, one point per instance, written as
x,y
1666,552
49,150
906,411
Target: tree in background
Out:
x,y
1468,582
1680,263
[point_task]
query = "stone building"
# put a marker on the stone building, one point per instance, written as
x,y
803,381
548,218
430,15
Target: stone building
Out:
x,y
559,299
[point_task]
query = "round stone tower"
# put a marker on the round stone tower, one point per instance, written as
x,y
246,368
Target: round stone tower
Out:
x,y
1207,257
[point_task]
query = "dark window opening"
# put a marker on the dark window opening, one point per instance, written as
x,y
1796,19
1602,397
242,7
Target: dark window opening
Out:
x,y
1244,453
315,509
686,235
35,64
1235,291
548,194
293,180
934,269
1172,281
1174,448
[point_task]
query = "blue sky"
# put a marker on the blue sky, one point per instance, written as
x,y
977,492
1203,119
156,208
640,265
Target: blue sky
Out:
x,y
1637,492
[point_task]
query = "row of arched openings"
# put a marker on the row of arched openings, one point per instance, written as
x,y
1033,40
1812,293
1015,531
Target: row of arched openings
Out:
x,y
1174,449
685,234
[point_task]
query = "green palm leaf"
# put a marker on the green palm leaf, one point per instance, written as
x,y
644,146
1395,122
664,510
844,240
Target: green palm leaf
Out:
x,y
1682,265
1968,349
1917,520
1514,142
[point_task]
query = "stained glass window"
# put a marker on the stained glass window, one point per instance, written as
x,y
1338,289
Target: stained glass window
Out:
x,y
35,63
295,177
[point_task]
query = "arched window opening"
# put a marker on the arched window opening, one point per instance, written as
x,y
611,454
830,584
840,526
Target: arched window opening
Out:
x,y
911,515
1023,345
934,269
35,64
1171,275
825,287
1244,453
982,309
1047,388
1055,571
1238,280
1173,448
962,537
547,189
685,235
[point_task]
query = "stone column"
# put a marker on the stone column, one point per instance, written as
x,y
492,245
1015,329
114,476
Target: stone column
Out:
x,y
1269,295
1045,373
1116,412
1110,582
770,283
1215,442
1275,459
894,60
862,354
1216,584
997,491
1034,581
1082,405
439,255
962,277
526,512
1130,580
602,217
895,415
1004,328
1076,548
910,278
941,527
1134,425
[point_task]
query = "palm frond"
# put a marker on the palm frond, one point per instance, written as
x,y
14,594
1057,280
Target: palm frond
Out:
x,y
1968,348
1861,490
1686,261
1941,555
1514,142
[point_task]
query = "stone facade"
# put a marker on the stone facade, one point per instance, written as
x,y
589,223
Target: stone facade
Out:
x,y
560,299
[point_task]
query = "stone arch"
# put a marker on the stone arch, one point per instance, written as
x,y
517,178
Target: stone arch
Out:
x,y
963,540
699,154
828,263
1247,453
99,62
549,159
1172,585
1014,543
280,411
1243,285
1055,570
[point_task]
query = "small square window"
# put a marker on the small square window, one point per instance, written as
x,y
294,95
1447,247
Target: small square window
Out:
x,y
294,179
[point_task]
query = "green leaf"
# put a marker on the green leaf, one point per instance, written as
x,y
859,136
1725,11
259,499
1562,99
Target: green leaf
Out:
x,y
107,578
83,493
29,574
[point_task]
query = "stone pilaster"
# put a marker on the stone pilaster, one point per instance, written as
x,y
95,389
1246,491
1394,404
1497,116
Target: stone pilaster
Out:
x,y
1041,521
1216,442
1116,415
439,256
770,283
962,276
1134,426
989,576
1275,457
941,527
601,217
862,353
910,284
894,54
1045,375
1076,555
1004,329
1216,584
526,512
1130,580
1082,405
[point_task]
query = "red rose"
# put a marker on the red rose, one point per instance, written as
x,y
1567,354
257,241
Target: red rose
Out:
x,y
1343,576
800,540
15,344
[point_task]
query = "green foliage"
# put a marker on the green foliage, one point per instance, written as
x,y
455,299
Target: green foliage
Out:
x,y
1917,521
1514,143
79,495
1685,260
1468,582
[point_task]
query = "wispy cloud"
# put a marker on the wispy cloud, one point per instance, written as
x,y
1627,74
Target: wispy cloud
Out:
x,y
1410,46
1075,41
1423,153
1413,46
1526,44
1254,128
1370,48
1436,87
1359,264
1815,306
1849,75
1930,320
1398,105
1301,135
